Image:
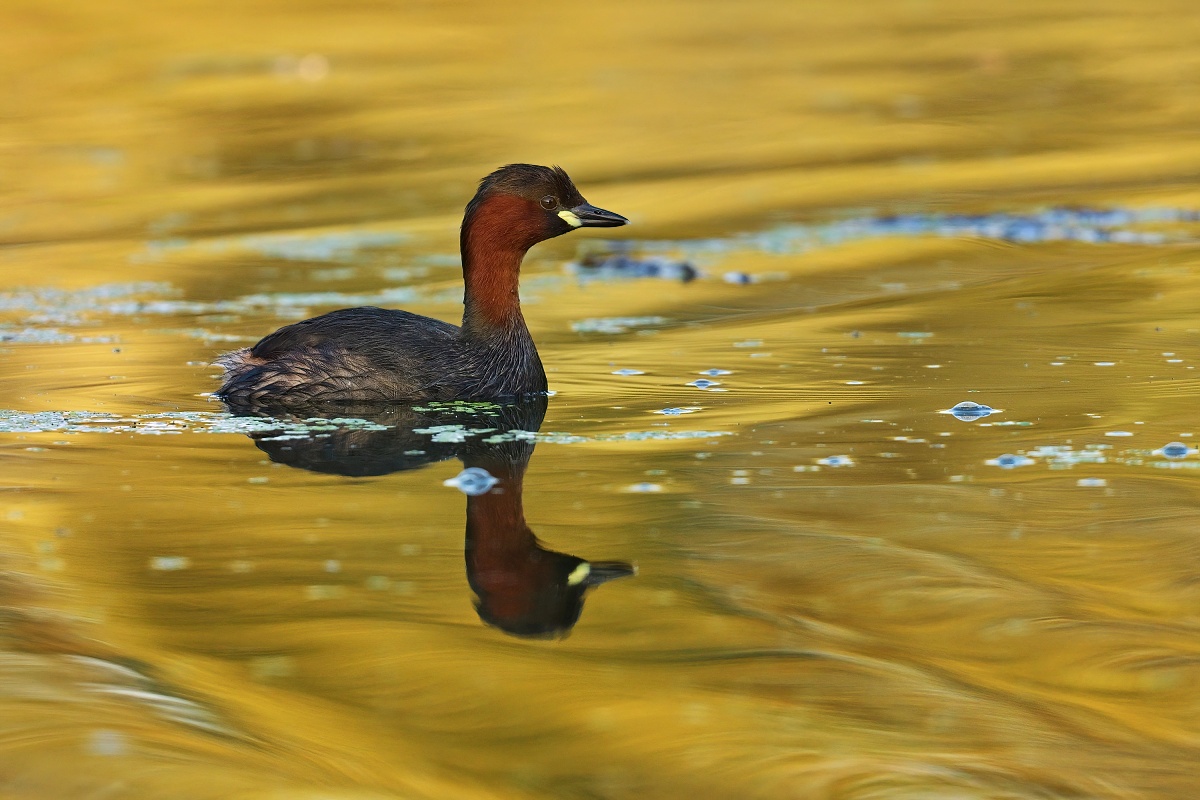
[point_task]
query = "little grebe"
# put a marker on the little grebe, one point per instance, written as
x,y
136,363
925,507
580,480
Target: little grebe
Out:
x,y
377,355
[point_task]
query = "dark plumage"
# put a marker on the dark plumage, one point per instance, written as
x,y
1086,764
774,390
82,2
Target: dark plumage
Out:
x,y
376,355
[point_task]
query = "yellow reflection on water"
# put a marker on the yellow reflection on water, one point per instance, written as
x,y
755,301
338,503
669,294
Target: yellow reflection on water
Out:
x,y
181,615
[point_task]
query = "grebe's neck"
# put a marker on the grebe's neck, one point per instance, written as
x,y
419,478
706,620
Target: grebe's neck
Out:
x,y
496,234
500,548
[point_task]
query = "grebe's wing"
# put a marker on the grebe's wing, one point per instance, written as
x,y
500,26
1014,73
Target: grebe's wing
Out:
x,y
365,331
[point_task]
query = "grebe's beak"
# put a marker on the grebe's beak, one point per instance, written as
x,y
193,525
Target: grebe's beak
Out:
x,y
594,573
586,215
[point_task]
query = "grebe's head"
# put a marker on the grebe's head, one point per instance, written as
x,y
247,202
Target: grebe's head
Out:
x,y
523,204
543,597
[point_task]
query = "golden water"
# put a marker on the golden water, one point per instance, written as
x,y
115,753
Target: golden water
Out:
x,y
181,617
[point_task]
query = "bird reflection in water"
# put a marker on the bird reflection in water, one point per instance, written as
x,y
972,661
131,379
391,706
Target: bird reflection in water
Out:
x,y
521,587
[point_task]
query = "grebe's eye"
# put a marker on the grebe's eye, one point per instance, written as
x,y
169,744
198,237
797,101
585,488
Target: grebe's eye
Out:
x,y
549,202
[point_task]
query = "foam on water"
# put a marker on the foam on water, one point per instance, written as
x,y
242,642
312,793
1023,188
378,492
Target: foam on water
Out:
x,y
210,422
330,246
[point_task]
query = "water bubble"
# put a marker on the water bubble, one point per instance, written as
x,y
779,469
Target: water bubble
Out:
x,y
472,481
674,412
1091,482
323,592
312,68
703,383
644,488
836,461
1174,450
969,412
170,563
103,742
1009,461
628,372
713,373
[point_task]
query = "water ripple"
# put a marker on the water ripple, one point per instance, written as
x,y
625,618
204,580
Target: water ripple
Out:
x,y
1091,226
